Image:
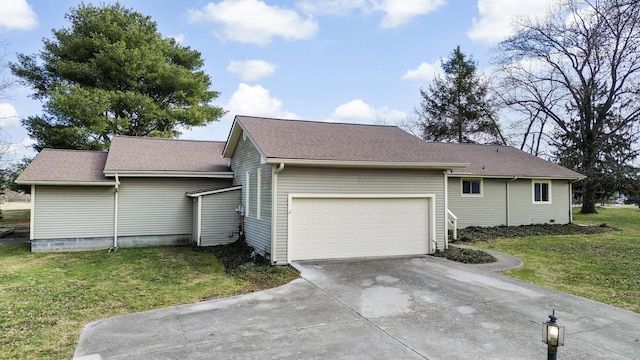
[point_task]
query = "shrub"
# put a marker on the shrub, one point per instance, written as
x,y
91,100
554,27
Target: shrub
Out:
x,y
467,256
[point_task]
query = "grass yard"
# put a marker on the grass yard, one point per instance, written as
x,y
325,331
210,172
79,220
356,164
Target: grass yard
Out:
x,y
15,217
46,299
604,267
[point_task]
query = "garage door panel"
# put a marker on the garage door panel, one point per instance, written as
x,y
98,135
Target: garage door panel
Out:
x,y
358,227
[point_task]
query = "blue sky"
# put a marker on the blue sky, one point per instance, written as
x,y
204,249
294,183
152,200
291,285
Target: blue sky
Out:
x,y
360,61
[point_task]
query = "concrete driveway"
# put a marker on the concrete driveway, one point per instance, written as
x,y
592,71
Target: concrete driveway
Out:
x,y
402,308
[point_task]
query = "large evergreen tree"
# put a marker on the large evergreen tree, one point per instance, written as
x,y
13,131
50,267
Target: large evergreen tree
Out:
x,y
579,68
112,73
457,107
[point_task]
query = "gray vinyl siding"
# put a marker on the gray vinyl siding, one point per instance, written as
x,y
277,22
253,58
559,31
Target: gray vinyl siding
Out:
x,y
246,158
493,209
489,209
354,181
159,206
523,211
219,216
73,212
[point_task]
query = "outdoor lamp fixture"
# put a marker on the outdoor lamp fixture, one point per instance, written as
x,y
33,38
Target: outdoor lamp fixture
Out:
x,y
552,335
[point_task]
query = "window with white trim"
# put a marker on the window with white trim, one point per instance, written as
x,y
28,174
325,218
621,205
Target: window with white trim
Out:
x,y
246,194
471,187
258,191
541,191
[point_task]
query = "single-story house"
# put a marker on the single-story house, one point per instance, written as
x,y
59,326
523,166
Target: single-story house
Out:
x,y
296,190
142,192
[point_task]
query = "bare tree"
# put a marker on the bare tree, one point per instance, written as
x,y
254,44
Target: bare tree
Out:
x,y
578,69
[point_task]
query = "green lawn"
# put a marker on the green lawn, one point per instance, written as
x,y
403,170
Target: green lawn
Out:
x,y
603,267
46,299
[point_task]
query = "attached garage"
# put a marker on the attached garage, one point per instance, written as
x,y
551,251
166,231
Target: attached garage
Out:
x,y
364,225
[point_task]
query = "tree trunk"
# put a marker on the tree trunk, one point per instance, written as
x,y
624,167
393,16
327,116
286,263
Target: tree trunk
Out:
x,y
588,198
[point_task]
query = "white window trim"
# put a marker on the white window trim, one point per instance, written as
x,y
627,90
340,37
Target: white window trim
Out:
x,y
258,193
462,194
246,194
533,191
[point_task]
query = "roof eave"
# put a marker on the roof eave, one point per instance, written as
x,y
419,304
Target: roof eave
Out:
x,y
209,192
232,139
62,182
197,174
504,176
367,164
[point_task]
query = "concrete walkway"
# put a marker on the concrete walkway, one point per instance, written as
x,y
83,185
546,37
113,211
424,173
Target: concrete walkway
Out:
x,y
402,308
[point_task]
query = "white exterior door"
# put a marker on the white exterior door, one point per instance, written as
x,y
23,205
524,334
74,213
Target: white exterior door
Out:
x,y
335,228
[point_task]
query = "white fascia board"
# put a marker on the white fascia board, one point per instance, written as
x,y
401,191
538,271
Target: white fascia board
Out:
x,y
511,176
368,164
232,139
214,191
190,174
74,183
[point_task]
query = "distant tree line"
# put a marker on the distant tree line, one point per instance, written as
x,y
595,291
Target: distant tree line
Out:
x,y
571,79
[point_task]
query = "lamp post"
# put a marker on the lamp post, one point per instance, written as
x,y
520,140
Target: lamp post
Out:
x,y
552,335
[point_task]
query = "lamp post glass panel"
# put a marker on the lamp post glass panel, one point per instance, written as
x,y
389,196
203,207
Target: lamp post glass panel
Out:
x,y
552,335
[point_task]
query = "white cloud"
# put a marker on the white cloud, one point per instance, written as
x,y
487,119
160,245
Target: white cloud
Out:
x,y
179,38
251,69
424,72
398,13
17,15
253,21
256,101
497,16
8,116
357,111
330,7
20,150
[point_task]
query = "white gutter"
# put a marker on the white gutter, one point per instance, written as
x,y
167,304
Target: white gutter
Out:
x,y
366,164
486,176
69,183
191,174
279,168
115,216
204,193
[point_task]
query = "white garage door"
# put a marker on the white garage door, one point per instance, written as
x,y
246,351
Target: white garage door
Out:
x,y
333,228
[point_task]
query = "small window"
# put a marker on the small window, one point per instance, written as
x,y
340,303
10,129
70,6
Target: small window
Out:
x,y
541,191
472,187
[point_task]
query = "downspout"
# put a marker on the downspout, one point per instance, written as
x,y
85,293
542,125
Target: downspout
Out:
x,y
32,222
446,208
115,216
509,202
199,225
274,208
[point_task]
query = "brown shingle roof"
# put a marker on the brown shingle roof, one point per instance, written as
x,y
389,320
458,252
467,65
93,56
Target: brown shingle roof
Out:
x,y
295,139
128,153
73,166
495,160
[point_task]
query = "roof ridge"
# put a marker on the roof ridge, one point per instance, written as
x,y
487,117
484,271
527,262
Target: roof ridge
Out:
x,y
76,150
167,139
316,121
